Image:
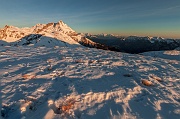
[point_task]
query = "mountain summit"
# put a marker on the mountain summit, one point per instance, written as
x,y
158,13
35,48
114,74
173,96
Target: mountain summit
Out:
x,y
52,28
57,30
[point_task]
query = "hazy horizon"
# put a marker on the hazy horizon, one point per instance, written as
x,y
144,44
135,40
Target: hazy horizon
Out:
x,y
119,17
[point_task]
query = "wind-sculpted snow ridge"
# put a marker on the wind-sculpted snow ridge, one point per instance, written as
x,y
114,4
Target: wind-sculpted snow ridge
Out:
x,y
82,83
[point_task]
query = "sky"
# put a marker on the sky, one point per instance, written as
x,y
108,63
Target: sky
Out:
x,y
120,17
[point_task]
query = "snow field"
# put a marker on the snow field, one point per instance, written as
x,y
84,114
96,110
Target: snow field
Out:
x,y
83,83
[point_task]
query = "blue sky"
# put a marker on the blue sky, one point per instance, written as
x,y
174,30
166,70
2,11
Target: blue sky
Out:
x,y
122,17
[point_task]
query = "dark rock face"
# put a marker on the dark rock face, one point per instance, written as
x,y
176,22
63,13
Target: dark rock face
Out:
x,y
135,44
31,38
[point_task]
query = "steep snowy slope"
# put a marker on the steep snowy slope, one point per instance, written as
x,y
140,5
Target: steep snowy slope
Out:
x,y
83,83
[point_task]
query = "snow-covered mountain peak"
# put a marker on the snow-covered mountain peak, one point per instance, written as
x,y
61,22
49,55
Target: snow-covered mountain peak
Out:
x,y
61,26
11,33
51,27
61,23
58,30
8,27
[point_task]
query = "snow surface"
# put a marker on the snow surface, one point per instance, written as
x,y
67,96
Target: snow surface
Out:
x,y
82,83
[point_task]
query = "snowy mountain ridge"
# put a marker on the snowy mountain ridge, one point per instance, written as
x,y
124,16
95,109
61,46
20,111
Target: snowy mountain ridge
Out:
x,y
50,34
57,30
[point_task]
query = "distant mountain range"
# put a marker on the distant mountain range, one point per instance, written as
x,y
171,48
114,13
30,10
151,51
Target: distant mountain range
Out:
x,y
135,44
60,34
